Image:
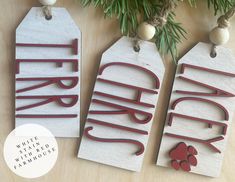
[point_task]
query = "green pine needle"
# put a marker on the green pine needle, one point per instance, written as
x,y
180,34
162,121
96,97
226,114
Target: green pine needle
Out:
x,y
220,5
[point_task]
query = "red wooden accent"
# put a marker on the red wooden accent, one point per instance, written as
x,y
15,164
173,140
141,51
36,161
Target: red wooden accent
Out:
x,y
175,164
157,81
114,140
115,126
122,110
137,101
183,156
205,142
202,100
127,86
59,62
74,45
46,116
192,150
184,66
185,166
48,81
49,99
216,91
179,152
192,160
209,122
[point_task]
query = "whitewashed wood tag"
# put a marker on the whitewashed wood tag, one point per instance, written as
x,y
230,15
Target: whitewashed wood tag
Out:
x,y
200,112
47,74
123,104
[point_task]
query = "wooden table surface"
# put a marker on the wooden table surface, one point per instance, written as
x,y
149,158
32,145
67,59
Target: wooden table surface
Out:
x,y
98,35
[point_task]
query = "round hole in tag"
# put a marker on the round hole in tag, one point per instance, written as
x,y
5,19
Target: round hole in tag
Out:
x,y
47,12
48,17
213,52
30,151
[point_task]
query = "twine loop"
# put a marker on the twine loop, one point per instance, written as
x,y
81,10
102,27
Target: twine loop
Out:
x,y
136,46
47,12
223,22
213,53
159,19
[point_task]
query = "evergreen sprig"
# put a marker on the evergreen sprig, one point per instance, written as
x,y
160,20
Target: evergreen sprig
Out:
x,y
131,12
220,5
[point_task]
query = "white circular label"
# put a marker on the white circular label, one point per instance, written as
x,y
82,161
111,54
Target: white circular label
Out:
x,y
30,151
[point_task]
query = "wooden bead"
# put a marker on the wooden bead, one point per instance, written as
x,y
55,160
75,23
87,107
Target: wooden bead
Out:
x,y
47,2
146,31
219,36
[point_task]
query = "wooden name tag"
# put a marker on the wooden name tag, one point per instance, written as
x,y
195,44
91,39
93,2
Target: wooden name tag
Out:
x,y
200,112
47,73
123,104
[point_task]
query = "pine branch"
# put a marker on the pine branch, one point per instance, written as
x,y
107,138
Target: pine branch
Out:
x,y
220,5
192,3
168,36
126,11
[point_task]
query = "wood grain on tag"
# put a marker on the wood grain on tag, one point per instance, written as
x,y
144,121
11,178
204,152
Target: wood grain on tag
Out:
x,y
47,72
200,112
122,106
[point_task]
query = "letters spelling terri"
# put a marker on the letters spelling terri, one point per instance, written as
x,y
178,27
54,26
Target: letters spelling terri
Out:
x,y
46,81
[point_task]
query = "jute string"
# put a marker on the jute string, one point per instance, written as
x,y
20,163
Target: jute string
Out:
x,y
223,22
159,19
47,12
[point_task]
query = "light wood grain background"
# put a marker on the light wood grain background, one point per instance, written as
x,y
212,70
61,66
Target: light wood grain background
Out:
x,y
98,35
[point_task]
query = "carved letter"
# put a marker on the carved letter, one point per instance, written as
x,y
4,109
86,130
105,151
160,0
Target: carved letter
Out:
x,y
123,110
59,62
74,45
58,99
202,100
115,140
48,81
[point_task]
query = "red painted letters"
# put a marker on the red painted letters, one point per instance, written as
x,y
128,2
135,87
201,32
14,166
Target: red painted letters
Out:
x,y
200,97
119,109
66,83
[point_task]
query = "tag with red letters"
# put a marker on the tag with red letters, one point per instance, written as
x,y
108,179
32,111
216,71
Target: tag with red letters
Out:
x,y
47,72
123,105
200,112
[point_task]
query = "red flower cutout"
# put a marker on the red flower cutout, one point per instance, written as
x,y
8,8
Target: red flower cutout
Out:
x,y
183,157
